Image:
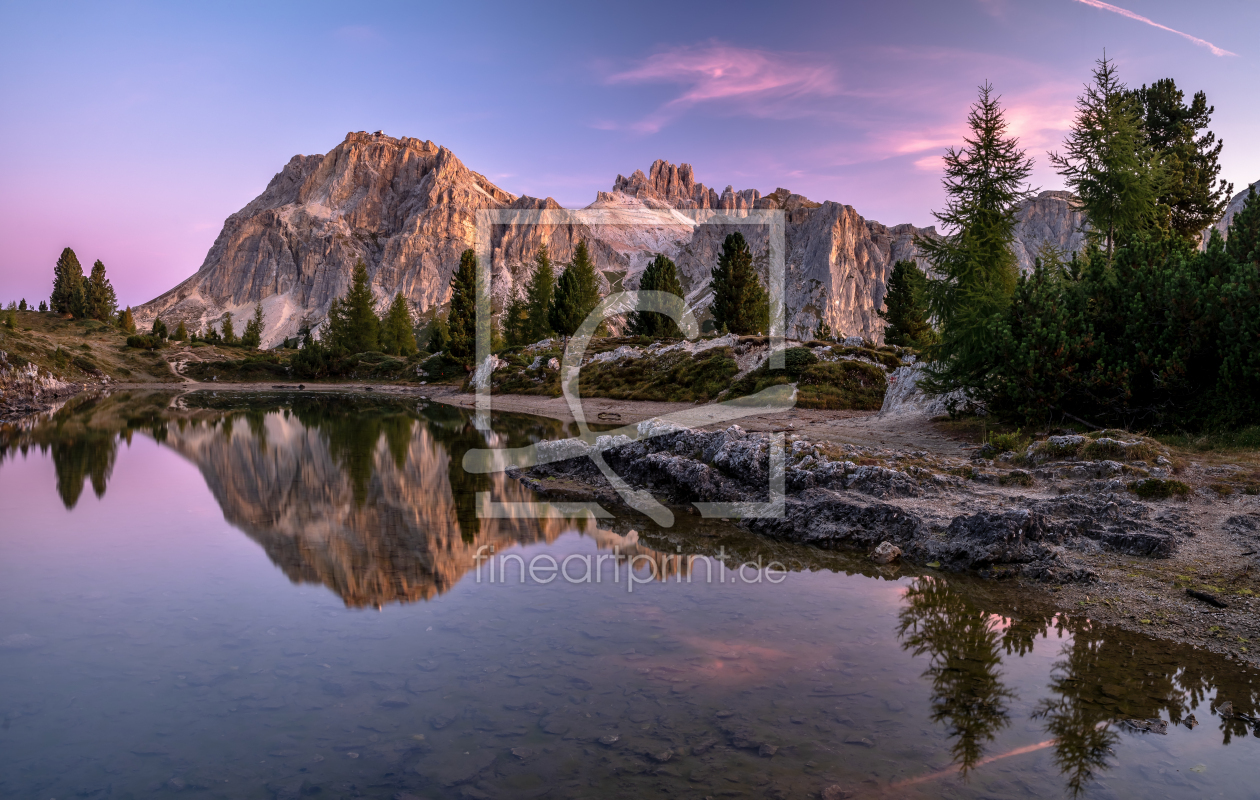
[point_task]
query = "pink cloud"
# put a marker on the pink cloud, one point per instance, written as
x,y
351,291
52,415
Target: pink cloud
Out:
x,y
757,82
1124,12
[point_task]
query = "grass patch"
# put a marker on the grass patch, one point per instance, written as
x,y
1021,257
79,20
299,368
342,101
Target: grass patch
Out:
x,y
1222,489
676,377
1005,442
1215,442
1016,478
820,384
1158,489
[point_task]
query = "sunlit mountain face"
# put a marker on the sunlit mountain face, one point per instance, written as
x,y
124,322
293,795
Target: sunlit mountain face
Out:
x,y
382,649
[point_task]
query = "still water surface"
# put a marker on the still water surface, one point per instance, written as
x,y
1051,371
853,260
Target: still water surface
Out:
x,y
276,596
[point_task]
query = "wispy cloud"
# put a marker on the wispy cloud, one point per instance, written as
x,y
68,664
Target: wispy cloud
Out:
x,y
1216,51
755,82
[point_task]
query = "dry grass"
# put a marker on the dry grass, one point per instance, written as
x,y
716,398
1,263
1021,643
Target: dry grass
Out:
x,y
81,350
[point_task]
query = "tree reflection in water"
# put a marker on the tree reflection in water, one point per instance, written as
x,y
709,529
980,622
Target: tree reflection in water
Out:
x,y
963,644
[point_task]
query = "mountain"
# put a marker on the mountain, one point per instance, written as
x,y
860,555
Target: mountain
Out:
x,y
408,208
1235,205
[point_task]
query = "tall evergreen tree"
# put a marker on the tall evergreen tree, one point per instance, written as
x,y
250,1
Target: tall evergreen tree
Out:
x,y
577,293
22,305
159,328
67,293
100,302
43,306
1108,160
984,182
462,320
227,329
439,336
660,276
538,298
516,323
740,302
398,334
906,307
252,337
127,321
353,326
181,332
1191,194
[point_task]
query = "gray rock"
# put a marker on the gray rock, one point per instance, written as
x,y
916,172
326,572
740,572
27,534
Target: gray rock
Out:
x,y
885,552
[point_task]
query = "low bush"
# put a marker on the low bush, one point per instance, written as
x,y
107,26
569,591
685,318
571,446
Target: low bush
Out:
x,y
1004,442
1158,489
145,341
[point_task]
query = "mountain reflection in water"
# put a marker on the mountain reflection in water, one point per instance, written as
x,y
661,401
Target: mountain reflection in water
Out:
x,y
366,496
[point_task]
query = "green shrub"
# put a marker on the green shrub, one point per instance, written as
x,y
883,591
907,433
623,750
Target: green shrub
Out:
x,y
797,359
1003,442
842,385
1158,489
145,341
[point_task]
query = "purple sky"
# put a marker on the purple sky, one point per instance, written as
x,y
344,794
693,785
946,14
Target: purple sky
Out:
x,y
130,131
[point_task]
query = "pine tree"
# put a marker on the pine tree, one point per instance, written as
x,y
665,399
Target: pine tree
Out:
x,y
660,276
740,303
353,326
984,182
576,295
823,332
1191,195
43,306
10,317
906,307
439,336
252,337
100,302
516,323
227,329
67,293
538,298
462,320
127,321
181,332
22,305
398,335
159,328
1108,161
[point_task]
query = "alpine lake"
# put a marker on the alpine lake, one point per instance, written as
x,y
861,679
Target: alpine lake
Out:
x,y
296,594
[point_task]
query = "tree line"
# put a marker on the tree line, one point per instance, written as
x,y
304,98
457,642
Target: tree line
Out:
x,y
1143,326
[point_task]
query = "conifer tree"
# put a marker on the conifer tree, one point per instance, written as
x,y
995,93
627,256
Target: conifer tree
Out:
x,y
127,321
538,298
516,323
22,305
100,302
984,183
159,328
823,332
398,335
439,336
227,329
576,295
906,307
67,293
1108,160
462,320
740,302
660,276
353,326
1191,194
43,306
10,317
181,332
252,337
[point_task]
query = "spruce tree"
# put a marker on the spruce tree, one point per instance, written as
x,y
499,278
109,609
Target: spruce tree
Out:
x,y
227,329
181,332
100,302
439,336
906,307
577,293
22,305
823,332
127,321
660,276
538,298
462,320
252,337
984,183
740,302
1108,160
43,306
516,323
353,326
1191,195
398,335
159,328
67,293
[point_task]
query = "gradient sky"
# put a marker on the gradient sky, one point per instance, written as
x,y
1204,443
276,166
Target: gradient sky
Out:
x,y
129,131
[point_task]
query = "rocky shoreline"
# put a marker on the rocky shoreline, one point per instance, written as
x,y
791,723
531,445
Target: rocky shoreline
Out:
x,y
1051,517
26,389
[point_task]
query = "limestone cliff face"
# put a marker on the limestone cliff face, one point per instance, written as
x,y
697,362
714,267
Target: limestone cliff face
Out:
x,y
408,208
1235,205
